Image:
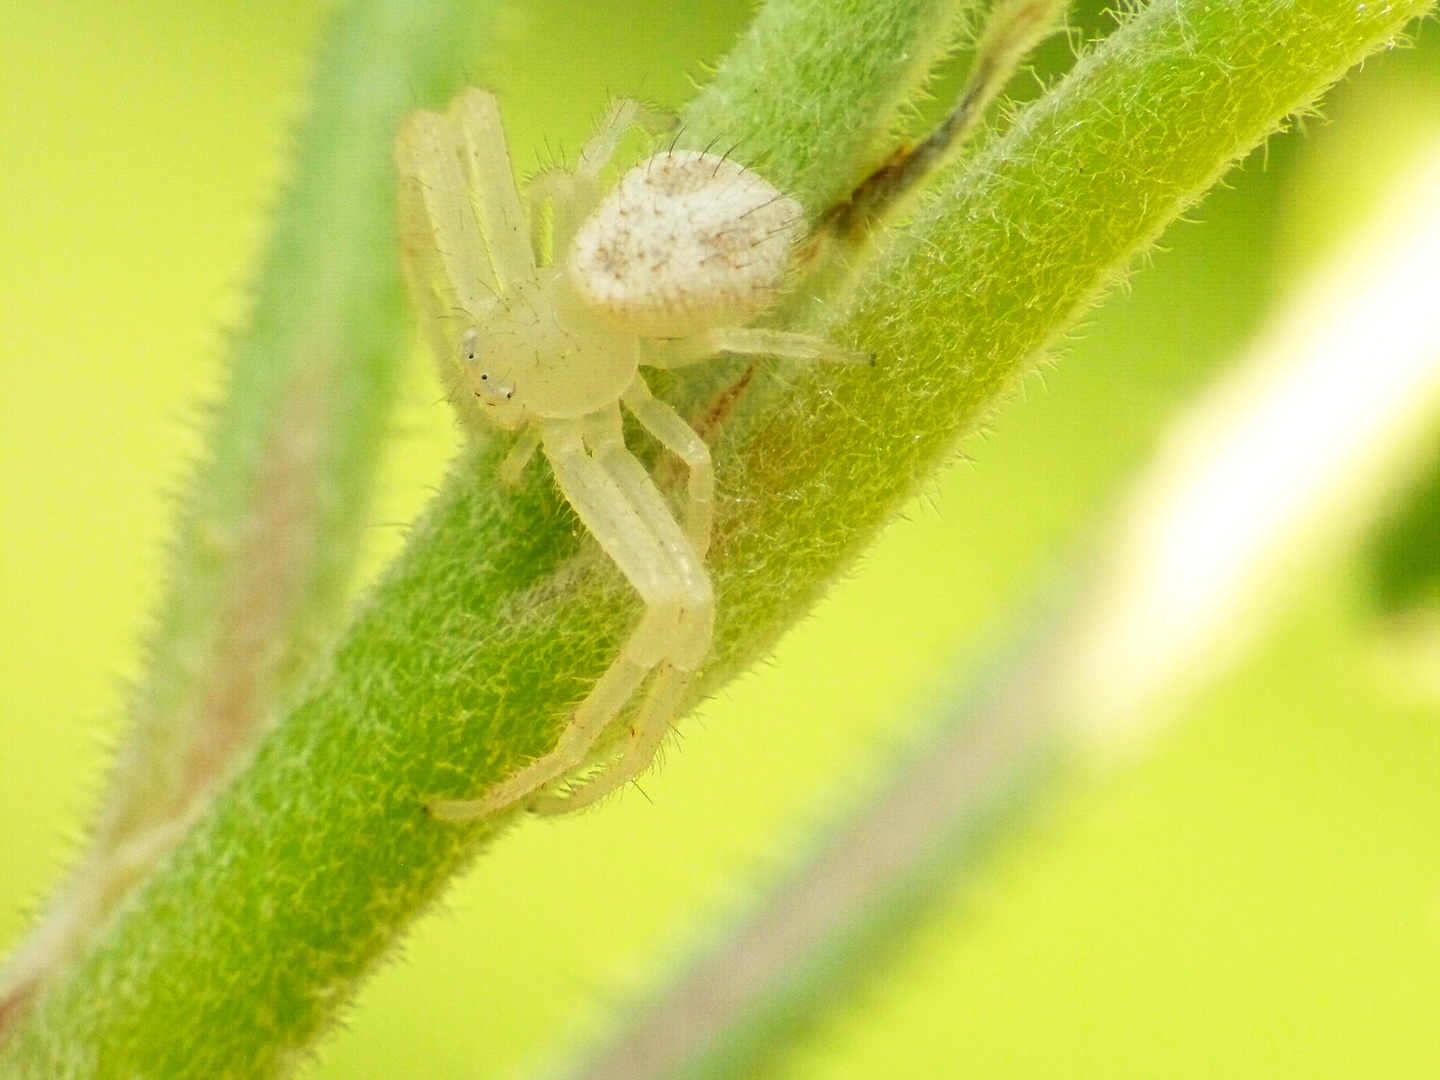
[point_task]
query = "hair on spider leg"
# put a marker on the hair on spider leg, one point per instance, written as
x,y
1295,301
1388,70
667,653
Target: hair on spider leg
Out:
x,y
451,383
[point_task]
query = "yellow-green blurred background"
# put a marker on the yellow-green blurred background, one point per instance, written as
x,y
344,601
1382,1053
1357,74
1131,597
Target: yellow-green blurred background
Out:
x,y
1258,896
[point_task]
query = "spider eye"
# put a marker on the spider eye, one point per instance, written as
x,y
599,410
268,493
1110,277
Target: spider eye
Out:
x,y
483,378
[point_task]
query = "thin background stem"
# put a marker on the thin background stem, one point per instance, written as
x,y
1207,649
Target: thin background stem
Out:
x,y
261,565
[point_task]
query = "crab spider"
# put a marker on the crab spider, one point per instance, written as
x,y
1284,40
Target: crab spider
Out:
x,y
666,271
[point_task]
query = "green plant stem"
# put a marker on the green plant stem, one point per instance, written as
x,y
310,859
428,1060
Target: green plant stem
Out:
x,y
811,89
261,564
306,869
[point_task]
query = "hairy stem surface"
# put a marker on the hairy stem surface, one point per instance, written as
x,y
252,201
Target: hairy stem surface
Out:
x,y
493,622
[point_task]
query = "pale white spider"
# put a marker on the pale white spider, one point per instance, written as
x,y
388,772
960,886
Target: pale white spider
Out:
x,y
666,271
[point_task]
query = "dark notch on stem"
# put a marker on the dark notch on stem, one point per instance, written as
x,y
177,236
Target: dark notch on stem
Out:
x,y
1014,29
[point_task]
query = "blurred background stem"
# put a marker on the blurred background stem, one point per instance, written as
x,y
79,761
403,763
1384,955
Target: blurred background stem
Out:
x,y
262,560
1278,469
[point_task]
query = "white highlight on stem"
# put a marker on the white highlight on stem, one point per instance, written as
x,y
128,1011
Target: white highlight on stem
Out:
x,y
1283,462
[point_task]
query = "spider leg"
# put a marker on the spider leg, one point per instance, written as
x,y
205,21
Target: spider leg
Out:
x,y
574,196
437,215
618,526
645,737
624,114
568,209
520,455
450,275
606,439
673,433
476,120
746,341
693,631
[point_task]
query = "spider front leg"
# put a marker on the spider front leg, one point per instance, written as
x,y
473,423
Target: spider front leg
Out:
x,y
475,119
672,629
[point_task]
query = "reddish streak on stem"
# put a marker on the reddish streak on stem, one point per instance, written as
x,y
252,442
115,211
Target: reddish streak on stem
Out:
x,y
233,694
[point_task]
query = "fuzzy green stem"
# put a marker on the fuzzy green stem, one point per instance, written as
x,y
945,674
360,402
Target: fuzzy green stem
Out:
x,y
810,91
261,565
490,626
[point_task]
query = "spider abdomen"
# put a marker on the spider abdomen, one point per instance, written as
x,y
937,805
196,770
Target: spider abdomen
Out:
x,y
686,241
